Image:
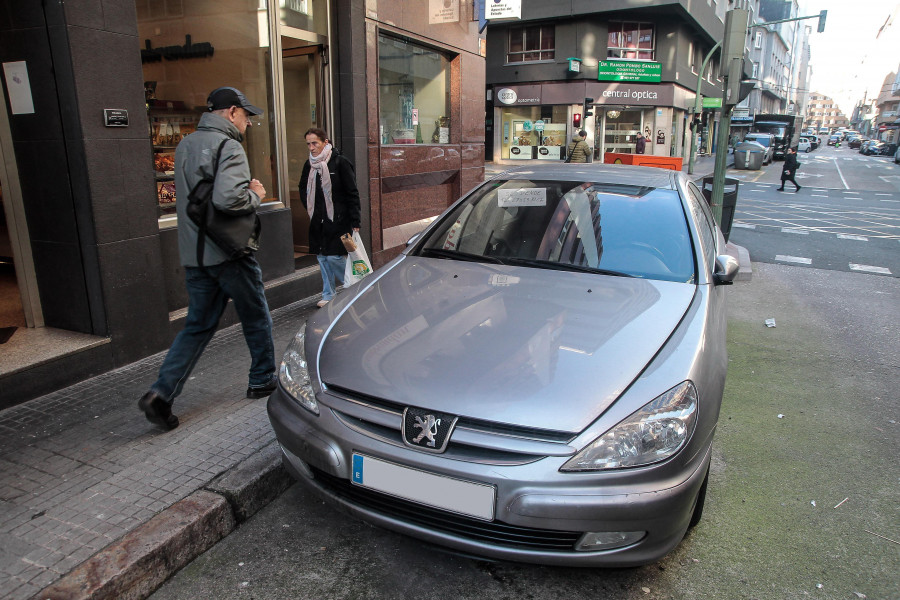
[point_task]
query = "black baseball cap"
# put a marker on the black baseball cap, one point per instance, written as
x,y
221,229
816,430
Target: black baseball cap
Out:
x,y
226,97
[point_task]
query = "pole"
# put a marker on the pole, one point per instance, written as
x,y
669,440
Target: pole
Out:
x,y
697,99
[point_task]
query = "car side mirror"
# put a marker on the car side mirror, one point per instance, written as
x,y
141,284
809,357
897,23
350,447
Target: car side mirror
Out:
x,y
727,268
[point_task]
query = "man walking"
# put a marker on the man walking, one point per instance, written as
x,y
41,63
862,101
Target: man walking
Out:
x,y
219,278
789,169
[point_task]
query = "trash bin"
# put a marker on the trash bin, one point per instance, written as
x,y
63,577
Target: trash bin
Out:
x,y
749,155
729,201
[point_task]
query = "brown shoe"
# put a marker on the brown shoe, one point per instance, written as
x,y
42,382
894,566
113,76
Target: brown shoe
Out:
x,y
158,411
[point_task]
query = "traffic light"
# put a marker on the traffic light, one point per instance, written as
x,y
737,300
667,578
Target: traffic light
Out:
x,y
587,108
822,16
576,121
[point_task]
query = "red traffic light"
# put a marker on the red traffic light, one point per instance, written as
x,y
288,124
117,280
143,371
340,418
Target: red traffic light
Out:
x,y
576,120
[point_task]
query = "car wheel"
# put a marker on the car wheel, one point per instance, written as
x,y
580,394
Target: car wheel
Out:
x,y
698,504
808,149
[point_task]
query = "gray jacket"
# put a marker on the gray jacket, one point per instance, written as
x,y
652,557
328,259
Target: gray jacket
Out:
x,y
193,161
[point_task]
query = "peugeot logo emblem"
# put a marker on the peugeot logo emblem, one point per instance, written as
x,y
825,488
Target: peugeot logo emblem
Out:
x,y
427,430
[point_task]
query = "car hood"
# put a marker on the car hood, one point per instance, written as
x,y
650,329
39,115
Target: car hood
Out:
x,y
528,347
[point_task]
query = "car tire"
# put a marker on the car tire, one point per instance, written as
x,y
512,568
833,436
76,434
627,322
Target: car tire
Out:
x,y
698,504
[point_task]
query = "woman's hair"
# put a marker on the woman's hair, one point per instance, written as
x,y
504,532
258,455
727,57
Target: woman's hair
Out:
x,y
318,132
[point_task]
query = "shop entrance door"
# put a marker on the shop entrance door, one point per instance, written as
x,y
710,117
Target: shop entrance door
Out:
x,y
19,305
303,108
619,130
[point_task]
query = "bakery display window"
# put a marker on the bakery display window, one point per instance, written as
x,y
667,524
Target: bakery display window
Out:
x,y
189,48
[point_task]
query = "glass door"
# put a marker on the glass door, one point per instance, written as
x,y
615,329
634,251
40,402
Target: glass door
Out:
x,y
620,130
303,108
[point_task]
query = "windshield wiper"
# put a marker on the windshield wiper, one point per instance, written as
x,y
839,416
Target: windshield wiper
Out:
x,y
457,255
551,264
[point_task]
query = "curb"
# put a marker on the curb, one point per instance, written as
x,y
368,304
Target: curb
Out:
x,y
136,565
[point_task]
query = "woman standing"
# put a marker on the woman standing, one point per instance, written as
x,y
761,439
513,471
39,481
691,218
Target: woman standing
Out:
x,y
328,190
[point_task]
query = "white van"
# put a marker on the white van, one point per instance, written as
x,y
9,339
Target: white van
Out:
x,y
767,141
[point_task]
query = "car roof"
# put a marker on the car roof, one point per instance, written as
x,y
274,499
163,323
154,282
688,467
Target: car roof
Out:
x,y
598,172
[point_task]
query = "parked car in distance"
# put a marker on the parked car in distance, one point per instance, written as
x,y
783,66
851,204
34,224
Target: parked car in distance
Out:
x,y
804,145
834,139
767,141
855,142
872,148
537,377
897,156
864,145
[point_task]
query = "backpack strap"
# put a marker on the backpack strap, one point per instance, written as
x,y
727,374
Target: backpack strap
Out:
x,y
201,233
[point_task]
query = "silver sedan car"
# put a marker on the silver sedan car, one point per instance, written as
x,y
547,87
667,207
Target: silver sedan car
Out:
x,y
536,378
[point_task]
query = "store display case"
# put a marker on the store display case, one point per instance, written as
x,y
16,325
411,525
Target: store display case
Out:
x,y
170,121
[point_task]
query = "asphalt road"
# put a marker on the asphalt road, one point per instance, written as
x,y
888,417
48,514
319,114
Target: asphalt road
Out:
x,y
802,501
845,217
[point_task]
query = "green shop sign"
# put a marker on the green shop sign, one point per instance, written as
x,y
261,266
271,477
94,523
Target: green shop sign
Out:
x,y
712,103
629,70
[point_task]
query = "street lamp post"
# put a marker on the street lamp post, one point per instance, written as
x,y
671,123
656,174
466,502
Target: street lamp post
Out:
x,y
697,100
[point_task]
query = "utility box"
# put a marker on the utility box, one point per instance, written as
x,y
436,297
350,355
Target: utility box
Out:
x,y
749,156
729,201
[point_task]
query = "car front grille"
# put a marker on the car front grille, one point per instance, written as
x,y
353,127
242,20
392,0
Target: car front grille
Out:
x,y
472,440
491,532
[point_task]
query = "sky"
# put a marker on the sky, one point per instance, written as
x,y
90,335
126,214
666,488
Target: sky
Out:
x,y
851,58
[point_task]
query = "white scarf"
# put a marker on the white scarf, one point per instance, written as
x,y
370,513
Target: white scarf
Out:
x,y
319,166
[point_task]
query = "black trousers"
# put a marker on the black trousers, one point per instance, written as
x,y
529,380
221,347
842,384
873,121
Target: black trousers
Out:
x,y
788,176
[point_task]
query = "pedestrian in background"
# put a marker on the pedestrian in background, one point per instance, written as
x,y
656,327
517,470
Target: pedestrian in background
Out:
x,y
220,277
640,144
578,148
789,169
329,192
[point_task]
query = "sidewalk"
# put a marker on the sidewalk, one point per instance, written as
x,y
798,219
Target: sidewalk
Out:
x,y
97,503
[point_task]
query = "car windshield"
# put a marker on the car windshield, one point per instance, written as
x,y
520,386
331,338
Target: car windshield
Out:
x,y
613,229
761,139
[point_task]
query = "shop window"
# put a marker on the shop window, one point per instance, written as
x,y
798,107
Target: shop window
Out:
x,y
529,44
414,93
189,48
630,40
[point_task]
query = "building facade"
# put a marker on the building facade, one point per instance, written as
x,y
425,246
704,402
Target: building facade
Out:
x,y
639,66
822,113
98,94
887,110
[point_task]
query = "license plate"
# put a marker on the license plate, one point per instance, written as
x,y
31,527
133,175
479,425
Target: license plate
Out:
x,y
453,495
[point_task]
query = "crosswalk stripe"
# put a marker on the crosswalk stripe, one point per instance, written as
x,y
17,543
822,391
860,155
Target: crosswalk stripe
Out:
x,y
870,269
860,238
793,259
794,230
744,225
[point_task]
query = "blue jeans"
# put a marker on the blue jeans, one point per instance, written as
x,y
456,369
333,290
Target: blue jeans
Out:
x,y
209,289
332,268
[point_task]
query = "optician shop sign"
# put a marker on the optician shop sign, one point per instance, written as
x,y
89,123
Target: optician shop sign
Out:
x,y
629,70
629,94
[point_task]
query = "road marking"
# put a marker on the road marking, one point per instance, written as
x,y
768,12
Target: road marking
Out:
x,y
870,269
889,200
743,225
884,194
860,238
817,196
794,230
757,190
844,181
793,259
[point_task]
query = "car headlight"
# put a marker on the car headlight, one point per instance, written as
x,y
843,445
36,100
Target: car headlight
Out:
x,y
294,373
654,433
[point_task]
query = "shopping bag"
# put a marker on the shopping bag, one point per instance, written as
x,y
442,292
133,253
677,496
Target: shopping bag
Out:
x,y
358,265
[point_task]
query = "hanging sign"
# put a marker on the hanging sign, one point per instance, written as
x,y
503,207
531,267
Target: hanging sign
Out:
x,y
503,9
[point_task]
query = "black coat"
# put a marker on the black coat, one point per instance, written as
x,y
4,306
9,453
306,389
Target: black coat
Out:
x,y
789,168
325,235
